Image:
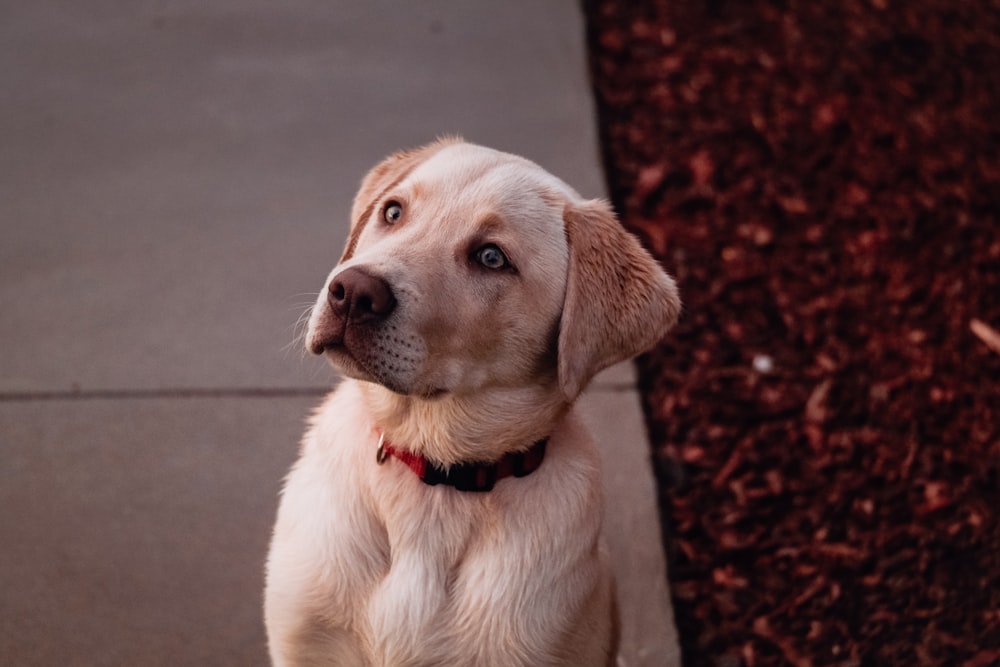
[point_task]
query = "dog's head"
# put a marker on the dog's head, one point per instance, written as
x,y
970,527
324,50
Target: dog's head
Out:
x,y
467,268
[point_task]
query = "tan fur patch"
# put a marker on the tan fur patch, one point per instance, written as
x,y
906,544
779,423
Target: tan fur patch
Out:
x,y
618,301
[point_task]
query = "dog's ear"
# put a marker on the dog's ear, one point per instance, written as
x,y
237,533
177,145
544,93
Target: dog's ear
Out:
x,y
384,176
618,303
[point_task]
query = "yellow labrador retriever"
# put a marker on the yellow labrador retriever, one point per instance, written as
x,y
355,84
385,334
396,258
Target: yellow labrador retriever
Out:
x,y
446,507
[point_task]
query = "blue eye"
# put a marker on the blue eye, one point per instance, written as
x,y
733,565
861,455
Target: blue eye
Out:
x,y
492,257
392,213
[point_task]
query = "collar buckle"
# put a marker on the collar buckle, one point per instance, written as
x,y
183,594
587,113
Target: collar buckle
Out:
x,y
381,454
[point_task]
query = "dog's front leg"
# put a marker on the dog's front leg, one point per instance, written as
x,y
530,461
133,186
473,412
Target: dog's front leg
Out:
x,y
404,614
300,632
310,643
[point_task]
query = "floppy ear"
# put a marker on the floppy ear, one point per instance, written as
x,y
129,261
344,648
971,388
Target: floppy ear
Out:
x,y
618,303
384,176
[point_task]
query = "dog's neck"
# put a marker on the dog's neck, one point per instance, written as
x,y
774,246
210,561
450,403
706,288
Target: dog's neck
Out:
x,y
473,428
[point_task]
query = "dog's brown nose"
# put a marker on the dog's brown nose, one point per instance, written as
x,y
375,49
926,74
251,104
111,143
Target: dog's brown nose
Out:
x,y
357,296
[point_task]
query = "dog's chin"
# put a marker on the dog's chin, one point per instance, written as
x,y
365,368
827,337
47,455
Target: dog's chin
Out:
x,y
353,367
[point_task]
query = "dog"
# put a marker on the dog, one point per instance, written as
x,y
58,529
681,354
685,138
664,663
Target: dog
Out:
x,y
446,505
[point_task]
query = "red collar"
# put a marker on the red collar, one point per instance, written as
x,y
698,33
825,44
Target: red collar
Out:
x,y
467,476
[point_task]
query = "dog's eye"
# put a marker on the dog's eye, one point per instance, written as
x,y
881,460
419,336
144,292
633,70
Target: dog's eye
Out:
x,y
492,257
392,213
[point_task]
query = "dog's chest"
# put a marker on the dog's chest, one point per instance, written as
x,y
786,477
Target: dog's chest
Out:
x,y
411,574
463,581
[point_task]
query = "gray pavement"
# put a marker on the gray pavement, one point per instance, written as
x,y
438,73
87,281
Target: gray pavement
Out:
x,y
174,185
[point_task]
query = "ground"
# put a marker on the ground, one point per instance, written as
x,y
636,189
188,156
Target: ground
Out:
x,y
824,181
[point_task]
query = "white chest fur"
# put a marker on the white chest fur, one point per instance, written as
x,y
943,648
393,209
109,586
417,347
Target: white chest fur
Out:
x,y
369,565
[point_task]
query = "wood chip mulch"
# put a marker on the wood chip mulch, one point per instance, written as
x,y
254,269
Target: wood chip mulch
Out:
x,y
824,181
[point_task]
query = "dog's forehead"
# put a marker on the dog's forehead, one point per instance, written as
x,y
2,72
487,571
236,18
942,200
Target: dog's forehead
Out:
x,y
486,173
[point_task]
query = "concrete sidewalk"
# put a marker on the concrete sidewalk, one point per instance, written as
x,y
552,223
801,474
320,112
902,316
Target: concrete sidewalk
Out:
x,y
175,180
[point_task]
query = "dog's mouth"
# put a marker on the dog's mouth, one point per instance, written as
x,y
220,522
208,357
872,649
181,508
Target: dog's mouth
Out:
x,y
370,349
359,358
327,336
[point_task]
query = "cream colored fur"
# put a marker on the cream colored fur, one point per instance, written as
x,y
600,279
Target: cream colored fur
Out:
x,y
369,565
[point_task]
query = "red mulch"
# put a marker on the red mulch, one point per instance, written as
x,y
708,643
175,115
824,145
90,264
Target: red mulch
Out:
x,y
824,181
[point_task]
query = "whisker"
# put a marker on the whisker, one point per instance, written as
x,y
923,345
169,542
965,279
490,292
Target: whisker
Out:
x,y
311,295
299,330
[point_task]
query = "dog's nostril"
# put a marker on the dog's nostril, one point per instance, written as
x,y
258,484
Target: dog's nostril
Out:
x,y
379,302
337,291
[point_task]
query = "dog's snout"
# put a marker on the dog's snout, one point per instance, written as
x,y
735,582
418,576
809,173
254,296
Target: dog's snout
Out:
x,y
357,296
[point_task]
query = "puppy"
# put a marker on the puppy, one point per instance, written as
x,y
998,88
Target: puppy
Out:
x,y
446,506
